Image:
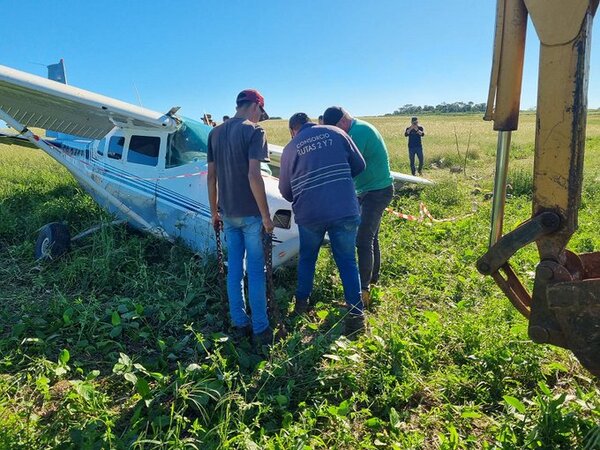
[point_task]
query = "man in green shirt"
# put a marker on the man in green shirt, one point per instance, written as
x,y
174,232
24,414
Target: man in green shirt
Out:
x,y
374,187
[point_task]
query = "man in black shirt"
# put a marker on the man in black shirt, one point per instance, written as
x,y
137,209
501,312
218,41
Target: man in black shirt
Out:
x,y
415,148
236,193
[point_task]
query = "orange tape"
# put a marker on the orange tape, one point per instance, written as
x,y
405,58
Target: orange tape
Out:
x,y
423,215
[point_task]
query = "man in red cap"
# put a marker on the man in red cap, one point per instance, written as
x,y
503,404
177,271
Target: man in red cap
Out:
x,y
236,193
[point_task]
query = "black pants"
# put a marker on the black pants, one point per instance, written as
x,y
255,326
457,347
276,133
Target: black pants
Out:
x,y
418,152
372,206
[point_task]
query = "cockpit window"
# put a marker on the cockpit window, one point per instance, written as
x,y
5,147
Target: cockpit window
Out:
x,y
144,150
188,144
115,147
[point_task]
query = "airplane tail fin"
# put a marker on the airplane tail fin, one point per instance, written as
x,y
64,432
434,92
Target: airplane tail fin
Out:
x,y
57,72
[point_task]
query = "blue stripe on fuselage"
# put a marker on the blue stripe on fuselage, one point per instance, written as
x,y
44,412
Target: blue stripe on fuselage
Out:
x,y
154,189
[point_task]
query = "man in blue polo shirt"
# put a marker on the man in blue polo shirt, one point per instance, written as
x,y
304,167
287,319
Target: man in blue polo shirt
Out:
x,y
317,168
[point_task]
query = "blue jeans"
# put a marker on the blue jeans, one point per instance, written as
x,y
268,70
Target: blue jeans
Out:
x,y
342,235
418,152
244,237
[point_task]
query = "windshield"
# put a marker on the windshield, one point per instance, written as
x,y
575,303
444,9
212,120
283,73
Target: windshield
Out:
x,y
188,144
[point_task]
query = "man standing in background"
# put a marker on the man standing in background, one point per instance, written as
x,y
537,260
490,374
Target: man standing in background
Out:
x,y
236,193
415,148
316,173
375,191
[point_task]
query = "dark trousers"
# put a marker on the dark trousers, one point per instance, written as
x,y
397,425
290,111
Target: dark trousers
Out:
x,y
372,206
418,152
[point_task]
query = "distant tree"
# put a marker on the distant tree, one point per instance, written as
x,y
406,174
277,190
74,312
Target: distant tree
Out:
x,y
442,108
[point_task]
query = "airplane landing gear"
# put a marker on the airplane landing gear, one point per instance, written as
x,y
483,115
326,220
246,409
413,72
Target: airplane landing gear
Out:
x,y
53,241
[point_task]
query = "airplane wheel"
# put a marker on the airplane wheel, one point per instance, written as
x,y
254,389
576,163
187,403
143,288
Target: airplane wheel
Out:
x,y
53,241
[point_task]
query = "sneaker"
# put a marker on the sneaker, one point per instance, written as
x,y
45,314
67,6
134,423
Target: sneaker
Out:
x,y
420,173
239,333
263,338
354,325
300,307
365,296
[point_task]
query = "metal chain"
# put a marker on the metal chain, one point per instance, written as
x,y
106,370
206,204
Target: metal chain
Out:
x,y
271,303
221,265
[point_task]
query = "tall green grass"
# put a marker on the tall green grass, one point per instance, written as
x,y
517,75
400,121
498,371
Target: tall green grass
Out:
x,y
120,343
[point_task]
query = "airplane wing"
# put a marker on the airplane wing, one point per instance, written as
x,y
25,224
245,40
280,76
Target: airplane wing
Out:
x,y
275,152
37,102
405,178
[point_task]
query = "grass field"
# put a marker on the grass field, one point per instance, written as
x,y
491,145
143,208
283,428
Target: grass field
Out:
x,y
114,345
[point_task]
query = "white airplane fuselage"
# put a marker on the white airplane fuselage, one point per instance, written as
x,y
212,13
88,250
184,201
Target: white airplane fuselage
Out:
x,y
171,199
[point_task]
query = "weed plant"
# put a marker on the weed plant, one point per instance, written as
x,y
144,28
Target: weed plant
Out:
x,y
120,344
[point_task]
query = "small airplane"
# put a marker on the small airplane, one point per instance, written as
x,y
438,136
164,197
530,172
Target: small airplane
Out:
x,y
146,168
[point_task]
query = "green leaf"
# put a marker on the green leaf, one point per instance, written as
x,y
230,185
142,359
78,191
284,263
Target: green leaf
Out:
x,y
344,408
142,387
67,316
470,415
515,403
131,378
558,367
85,390
61,370
395,420
116,331
322,314
355,357
192,367
373,422
92,375
64,356
282,400
115,319
545,389
124,359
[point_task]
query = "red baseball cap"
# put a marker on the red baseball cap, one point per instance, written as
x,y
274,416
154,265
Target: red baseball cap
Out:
x,y
252,95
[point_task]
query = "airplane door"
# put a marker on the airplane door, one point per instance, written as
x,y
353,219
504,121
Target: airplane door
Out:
x,y
131,174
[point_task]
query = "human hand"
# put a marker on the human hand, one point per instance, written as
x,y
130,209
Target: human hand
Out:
x,y
217,222
268,224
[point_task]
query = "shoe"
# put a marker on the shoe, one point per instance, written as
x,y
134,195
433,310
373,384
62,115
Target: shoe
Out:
x,y
365,296
420,173
263,338
239,333
300,307
354,325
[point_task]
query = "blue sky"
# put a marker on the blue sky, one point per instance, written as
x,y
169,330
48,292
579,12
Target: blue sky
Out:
x,y
369,56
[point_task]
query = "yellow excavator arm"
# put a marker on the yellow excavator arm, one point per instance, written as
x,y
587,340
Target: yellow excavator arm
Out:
x,y
564,308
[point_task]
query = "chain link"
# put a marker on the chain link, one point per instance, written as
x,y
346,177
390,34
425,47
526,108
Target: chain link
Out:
x,y
271,303
221,265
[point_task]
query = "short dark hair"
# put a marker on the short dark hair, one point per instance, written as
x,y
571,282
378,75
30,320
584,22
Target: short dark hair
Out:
x,y
243,104
333,115
414,119
297,120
